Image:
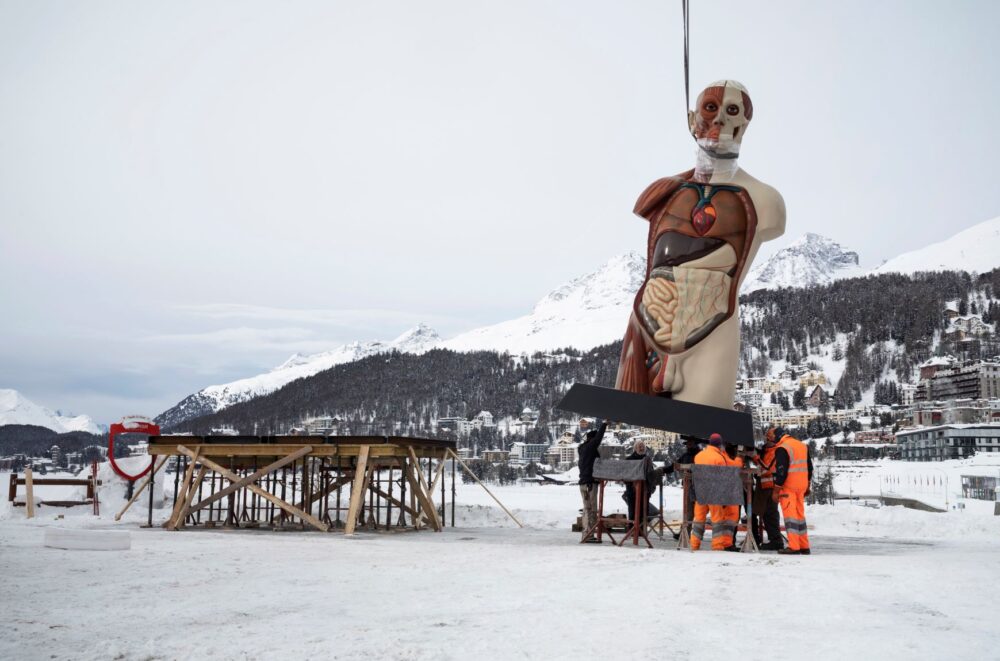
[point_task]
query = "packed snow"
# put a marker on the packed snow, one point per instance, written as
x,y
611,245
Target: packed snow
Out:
x,y
16,409
886,583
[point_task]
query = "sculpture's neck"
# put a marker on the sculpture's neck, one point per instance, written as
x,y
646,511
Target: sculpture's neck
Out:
x,y
711,170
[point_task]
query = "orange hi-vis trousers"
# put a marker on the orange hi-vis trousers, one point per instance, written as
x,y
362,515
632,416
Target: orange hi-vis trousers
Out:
x,y
793,509
724,521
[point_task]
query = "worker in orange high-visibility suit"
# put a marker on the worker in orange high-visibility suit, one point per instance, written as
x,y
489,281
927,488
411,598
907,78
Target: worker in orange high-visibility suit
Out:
x,y
792,474
724,517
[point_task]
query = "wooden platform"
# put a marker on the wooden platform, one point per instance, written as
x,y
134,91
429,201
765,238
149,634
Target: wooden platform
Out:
x,y
296,482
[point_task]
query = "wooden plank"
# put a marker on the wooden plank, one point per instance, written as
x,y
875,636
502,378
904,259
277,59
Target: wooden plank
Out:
x,y
277,451
236,486
142,487
195,488
59,482
398,503
12,491
425,502
416,466
320,493
469,471
179,505
437,478
291,509
325,491
29,493
357,491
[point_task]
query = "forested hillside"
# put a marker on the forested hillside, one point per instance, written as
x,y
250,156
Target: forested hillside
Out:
x,y
881,327
377,391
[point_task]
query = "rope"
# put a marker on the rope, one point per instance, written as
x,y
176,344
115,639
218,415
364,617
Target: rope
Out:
x,y
687,84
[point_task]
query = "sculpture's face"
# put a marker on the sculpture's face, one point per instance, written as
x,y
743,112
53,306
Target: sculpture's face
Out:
x,y
721,117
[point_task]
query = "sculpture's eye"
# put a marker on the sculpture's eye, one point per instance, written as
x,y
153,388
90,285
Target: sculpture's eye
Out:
x,y
733,109
711,107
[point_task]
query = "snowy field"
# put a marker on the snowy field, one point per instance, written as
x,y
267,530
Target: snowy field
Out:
x,y
886,583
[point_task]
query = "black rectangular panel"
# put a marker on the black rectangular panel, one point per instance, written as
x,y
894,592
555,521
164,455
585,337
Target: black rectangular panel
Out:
x,y
659,413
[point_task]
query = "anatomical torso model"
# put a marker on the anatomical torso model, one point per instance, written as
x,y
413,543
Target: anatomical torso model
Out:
x,y
705,227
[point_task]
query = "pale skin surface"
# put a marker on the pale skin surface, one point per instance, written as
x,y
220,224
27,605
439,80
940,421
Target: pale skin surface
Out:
x,y
706,373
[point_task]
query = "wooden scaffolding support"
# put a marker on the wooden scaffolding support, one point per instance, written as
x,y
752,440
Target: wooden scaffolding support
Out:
x,y
223,484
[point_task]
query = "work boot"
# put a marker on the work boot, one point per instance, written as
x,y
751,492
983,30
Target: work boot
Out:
x,y
804,551
733,548
788,551
771,546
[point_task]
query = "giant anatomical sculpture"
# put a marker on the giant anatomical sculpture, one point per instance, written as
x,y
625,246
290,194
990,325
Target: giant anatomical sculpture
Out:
x,y
705,227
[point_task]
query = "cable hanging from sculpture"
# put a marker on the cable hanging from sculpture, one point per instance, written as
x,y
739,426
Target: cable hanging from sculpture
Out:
x,y
687,85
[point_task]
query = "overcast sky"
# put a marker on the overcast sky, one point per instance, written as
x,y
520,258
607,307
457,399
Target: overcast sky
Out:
x,y
192,191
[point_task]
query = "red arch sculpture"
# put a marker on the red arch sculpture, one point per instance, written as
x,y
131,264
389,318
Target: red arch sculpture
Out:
x,y
132,424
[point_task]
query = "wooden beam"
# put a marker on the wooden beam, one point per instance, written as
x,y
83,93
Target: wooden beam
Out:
x,y
12,491
398,503
195,487
416,466
232,477
437,476
357,491
179,505
29,493
425,503
236,486
218,450
469,471
319,493
142,487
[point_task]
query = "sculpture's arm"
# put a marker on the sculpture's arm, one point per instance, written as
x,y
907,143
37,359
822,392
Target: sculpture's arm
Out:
x,y
770,215
657,192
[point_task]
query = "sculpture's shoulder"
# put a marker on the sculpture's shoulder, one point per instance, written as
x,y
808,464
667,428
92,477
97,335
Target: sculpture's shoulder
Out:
x,y
768,204
657,192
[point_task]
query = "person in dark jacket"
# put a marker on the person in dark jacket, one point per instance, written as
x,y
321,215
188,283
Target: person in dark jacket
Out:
x,y
691,448
587,453
766,516
653,478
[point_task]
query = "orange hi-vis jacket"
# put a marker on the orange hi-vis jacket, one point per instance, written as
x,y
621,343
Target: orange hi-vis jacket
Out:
x,y
713,456
767,467
798,468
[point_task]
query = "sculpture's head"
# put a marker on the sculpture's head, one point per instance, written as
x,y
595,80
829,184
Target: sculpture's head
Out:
x,y
720,118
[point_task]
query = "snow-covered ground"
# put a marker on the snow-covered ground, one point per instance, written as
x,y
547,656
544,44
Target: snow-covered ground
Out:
x,y
885,583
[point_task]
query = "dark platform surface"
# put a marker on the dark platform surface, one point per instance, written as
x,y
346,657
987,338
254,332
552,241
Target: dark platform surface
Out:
x,y
183,439
659,413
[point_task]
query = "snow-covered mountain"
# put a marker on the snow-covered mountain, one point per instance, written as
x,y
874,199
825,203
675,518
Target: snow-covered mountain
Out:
x,y
16,409
810,260
584,313
976,249
215,398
